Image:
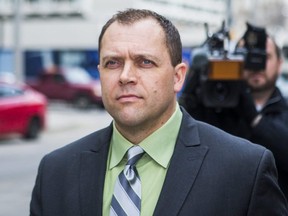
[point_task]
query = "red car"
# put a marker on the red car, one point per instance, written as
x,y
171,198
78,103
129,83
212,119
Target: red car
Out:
x,y
22,110
73,85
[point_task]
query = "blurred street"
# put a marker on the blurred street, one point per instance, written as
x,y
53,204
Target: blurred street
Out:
x,y
19,158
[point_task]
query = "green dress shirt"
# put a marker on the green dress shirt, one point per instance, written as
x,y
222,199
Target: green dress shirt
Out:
x,y
152,167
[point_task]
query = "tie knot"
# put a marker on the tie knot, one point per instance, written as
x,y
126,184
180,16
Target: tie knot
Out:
x,y
134,154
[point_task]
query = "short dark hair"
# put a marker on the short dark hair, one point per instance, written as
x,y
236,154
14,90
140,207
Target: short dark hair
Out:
x,y
130,16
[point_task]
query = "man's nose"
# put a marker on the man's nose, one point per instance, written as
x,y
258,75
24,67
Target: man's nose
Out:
x,y
128,74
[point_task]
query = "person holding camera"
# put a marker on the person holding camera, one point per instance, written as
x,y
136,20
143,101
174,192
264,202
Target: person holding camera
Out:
x,y
266,110
261,114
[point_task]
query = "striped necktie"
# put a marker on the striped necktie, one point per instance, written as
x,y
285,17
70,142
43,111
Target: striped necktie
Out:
x,y
126,199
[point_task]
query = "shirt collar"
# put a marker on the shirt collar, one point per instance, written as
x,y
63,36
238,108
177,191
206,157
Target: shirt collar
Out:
x,y
159,145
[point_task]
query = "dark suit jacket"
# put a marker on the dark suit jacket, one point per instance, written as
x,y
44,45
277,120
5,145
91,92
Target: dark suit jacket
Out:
x,y
211,173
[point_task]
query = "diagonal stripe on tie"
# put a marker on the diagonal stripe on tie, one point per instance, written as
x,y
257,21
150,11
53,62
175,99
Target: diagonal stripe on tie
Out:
x,y
126,198
117,208
132,190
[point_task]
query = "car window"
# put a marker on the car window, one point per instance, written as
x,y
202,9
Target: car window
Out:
x,y
7,91
77,75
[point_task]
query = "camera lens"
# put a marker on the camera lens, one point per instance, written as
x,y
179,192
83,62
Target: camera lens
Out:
x,y
221,91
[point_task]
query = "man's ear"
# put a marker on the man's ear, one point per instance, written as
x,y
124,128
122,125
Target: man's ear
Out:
x,y
179,76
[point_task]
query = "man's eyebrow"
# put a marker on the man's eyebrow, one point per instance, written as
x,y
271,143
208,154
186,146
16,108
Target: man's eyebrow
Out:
x,y
133,56
109,57
147,56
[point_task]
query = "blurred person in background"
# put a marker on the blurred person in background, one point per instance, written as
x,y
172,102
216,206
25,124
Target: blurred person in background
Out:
x,y
184,166
267,111
262,113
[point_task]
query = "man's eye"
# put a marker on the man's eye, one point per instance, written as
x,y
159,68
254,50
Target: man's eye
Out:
x,y
111,64
147,63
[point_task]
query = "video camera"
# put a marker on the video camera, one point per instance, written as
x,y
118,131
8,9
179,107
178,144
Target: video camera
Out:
x,y
219,71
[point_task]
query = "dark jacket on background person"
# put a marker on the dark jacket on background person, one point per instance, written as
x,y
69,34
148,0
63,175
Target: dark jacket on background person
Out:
x,y
271,131
210,173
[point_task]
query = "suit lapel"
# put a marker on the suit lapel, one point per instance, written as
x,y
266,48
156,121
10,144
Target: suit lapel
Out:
x,y
182,172
92,175
179,181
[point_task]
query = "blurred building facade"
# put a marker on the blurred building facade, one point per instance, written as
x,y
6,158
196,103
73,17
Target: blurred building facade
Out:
x,y
271,14
48,32
33,25
76,23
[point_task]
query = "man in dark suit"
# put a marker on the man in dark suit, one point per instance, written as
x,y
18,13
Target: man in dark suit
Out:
x,y
188,167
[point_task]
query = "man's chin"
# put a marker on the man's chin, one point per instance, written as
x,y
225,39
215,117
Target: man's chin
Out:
x,y
262,88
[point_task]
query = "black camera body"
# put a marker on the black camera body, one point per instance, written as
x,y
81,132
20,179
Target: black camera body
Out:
x,y
254,48
223,83
219,73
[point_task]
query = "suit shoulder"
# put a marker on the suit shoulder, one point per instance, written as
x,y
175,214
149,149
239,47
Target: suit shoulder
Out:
x,y
91,142
215,137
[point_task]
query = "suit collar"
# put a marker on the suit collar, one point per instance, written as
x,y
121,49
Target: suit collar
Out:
x,y
185,165
188,135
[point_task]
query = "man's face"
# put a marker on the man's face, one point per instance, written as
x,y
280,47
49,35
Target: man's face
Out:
x,y
265,79
139,84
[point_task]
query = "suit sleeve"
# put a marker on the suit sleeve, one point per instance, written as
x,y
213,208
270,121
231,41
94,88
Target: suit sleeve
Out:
x,y
267,198
35,204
